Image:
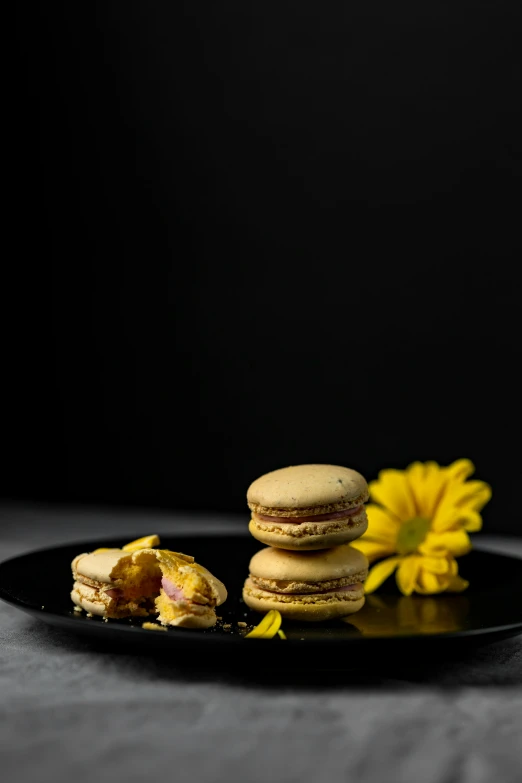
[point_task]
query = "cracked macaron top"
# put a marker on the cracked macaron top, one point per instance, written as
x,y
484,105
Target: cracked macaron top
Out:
x,y
307,491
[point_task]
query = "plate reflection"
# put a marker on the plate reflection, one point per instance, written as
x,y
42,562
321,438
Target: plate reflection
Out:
x,y
408,615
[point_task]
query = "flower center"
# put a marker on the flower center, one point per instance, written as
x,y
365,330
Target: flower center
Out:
x,y
411,535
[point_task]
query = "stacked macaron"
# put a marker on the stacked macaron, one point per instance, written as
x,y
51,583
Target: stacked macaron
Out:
x,y
307,515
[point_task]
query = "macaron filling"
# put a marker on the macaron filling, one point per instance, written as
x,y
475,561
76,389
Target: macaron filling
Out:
x,y
176,593
298,605
343,514
355,588
114,592
140,590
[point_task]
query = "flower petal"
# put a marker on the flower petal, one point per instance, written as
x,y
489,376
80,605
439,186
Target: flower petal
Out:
x,y
382,526
455,541
268,627
427,481
429,583
392,490
379,573
457,503
460,470
471,520
472,494
406,575
457,585
435,565
374,550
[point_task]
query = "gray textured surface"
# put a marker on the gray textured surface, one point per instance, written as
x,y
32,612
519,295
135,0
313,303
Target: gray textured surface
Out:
x,y
73,712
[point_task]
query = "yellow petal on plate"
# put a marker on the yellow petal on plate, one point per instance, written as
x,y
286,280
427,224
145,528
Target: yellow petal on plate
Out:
x,y
374,550
457,585
263,626
147,542
380,572
406,575
382,526
268,627
455,541
392,491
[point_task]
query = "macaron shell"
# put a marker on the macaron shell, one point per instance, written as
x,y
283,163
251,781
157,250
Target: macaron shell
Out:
x,y
182,615
304,612
98,567
220,591
88,601
319,566
307,486
194,621
306,539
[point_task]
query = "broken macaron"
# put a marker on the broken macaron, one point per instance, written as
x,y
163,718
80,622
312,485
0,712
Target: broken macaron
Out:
x,y
115,583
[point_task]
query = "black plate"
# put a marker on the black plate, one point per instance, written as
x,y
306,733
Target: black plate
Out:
x,y
39,583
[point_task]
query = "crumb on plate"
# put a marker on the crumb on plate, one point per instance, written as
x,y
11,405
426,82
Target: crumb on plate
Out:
x,y
153,627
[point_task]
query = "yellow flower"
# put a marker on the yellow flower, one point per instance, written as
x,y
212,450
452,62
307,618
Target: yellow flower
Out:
x,y
420,523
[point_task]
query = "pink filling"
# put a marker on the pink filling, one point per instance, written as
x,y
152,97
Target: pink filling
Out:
x,y
114,592
350,512
173,592
344,589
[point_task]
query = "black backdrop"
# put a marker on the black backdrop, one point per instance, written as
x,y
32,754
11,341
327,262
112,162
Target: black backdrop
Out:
x,y
248,235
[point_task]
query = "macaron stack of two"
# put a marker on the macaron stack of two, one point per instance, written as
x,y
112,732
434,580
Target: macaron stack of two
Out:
x,y
307,515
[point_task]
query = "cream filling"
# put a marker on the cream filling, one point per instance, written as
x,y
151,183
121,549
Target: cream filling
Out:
x,y
348,593
308,525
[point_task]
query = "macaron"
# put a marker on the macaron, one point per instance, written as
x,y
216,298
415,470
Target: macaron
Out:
x,y
307,507
115,583
308,586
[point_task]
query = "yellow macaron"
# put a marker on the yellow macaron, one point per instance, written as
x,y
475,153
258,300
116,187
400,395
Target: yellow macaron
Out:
x,y
306,507
309,586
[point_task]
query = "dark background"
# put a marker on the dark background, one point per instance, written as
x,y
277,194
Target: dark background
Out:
x,y
247,235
